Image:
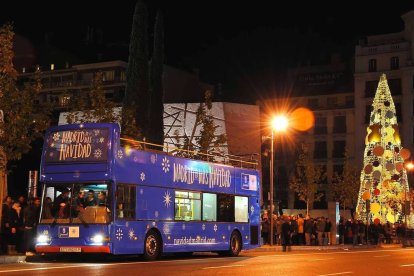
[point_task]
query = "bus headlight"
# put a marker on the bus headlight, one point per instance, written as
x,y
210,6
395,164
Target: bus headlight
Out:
x,y
98,238
43,238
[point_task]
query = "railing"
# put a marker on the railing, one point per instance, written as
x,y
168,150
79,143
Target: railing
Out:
x,y
227,159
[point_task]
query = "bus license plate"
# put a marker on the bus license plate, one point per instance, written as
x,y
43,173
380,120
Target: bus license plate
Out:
x,y
70,249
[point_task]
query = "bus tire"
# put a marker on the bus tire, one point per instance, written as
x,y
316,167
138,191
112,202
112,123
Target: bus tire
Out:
x,y
152,246
235,244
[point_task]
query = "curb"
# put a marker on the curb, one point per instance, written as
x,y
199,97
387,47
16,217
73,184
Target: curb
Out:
x,y
4,259
278,248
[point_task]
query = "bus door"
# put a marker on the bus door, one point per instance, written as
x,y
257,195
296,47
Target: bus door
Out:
x,y
124,233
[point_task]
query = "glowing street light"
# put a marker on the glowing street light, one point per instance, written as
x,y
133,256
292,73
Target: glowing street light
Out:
x,y
279,124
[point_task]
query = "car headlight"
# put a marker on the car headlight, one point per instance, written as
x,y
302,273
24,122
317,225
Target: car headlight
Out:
x,y
43,238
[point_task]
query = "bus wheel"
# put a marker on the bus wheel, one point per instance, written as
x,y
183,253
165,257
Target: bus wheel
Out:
x,y
235,244
152,246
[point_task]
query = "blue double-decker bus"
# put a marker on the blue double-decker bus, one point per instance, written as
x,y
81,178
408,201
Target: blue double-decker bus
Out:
x,y
99,196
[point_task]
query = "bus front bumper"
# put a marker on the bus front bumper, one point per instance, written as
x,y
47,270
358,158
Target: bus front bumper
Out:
x,y
73,249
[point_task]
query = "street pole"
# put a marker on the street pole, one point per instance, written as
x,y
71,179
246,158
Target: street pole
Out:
x,y
272,160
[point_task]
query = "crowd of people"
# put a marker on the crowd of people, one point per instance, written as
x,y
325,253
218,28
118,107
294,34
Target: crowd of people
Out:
x,y
300,230
18,225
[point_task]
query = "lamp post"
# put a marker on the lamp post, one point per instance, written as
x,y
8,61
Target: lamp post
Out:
x,y
278,124
410,167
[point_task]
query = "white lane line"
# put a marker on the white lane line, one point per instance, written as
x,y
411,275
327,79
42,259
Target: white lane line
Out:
x,y
407,265
339,273
320,259
381,256
223,266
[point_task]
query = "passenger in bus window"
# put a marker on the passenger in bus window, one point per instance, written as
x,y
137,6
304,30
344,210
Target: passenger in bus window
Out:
x,y
47,209
90,201
80,201
62,198
120,210
64,209
102,199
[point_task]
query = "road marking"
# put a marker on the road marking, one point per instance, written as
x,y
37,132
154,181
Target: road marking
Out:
x,y
339,273
320,259
223,266
381,256
407,265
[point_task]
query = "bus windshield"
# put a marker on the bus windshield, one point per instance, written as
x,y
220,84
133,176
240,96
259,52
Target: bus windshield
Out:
x,y
76,203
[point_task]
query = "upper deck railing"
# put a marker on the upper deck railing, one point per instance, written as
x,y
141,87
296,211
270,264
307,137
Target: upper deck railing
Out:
x,y
227,159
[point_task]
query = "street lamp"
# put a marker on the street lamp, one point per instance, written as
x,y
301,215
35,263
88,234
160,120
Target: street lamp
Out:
x,y
278,124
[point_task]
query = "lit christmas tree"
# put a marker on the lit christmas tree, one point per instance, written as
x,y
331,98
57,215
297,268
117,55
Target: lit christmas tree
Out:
x,y
383,178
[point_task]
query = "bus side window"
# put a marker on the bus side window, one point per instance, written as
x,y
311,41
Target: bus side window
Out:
x,y
125,201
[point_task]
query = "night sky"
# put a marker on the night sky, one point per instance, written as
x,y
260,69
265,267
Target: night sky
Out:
x,y
242,45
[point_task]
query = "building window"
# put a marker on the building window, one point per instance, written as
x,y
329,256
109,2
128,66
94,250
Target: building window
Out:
x,y
395,63
395,86
349,101
372,65
339,124
313,103
339,149
332,101
320,125
338,169
399,112
123,76
108,75
370,88
320,150
368,109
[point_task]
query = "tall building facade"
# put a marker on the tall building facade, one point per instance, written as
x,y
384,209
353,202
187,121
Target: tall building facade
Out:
x,y
392,54
327,91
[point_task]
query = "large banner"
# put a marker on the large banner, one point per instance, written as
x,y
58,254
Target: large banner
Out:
x,y
77,146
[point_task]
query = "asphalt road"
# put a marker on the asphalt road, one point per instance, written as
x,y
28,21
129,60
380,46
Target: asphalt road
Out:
x,y
353,262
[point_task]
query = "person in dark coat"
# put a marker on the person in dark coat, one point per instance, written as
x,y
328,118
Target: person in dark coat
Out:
x,y
30,220
16,228
265,228
5,225
341,230
285,234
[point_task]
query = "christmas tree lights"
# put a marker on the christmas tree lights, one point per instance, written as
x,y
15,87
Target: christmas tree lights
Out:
x,y
384,184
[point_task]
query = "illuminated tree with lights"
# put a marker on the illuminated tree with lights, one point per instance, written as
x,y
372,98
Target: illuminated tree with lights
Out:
x,y
383,182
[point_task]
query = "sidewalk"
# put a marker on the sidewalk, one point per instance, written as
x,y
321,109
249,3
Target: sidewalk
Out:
x,y
278,248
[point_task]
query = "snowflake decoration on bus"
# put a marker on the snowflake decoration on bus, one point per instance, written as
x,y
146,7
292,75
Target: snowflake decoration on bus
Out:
x,y
165,165
166,229
203,227
96,132
119,234
98,153
52,145
131,234
252,209
142,176
215,227
153,158
167,199
101,140
56,136
120,154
